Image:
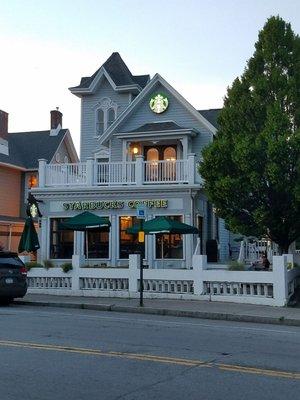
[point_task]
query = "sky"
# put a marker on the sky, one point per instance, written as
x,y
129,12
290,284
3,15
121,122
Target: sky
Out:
x,y
198,46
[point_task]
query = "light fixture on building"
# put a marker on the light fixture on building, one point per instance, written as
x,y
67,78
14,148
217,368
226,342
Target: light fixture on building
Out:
x,y
32,181
135,150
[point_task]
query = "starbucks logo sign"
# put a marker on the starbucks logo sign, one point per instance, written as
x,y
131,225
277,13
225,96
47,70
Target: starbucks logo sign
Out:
x,y
158,103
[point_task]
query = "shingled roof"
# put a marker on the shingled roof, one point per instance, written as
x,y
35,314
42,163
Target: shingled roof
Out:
x,y
157,127
211,115
119,73
25,148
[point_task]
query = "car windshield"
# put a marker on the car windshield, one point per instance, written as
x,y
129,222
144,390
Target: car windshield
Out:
x,y
11,262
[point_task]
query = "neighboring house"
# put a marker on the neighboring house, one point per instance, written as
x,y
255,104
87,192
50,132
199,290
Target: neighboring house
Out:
x,y
19,155
141,142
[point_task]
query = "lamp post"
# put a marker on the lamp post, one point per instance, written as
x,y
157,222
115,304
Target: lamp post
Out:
x,y
141,215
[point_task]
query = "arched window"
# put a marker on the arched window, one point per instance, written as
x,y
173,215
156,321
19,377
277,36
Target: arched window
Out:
x,y
100,121
106,113
111,116
152,155
169,154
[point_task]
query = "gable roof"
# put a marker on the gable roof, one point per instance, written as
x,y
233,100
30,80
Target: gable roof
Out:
x,y
156,79
25,148
158,127
211,115
118,72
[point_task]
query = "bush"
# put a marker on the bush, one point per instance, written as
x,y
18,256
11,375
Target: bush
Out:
x,y
48,264
66,267
32,264
236,266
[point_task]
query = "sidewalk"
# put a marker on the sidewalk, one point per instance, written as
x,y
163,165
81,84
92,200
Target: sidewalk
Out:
x,y
178,308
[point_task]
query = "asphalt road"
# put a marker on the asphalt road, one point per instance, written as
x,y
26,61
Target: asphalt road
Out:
x,y
49,353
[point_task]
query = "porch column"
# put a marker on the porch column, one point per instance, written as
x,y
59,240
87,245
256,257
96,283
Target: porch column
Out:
x,y
139,170
191,168
113,241
184,143
42,172
188,243
90,171
44,242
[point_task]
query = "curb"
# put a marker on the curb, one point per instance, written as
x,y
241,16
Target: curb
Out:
x,y
167,312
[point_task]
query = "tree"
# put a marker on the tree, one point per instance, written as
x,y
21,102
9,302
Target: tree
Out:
x,y
252,168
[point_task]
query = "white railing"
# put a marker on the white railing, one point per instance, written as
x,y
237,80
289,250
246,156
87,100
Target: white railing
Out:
x,y
165,171
66,174
139,172
273,287
114,173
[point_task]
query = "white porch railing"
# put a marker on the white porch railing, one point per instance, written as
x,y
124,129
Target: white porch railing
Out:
x,y
114,173
139,172
165,171
66,174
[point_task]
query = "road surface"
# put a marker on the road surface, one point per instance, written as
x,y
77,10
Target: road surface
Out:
x,y
60,353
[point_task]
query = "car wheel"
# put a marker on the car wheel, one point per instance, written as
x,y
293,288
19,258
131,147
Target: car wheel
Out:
x,y
5,301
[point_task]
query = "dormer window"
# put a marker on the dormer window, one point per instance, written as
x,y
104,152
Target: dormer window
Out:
x,y
106,112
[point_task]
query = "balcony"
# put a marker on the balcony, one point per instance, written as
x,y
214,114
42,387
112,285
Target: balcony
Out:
x,y
135,173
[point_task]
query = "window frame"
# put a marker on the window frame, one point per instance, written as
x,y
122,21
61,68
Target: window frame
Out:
x,y
105,105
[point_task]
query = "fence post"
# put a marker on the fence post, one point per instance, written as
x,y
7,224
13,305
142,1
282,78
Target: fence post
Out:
x,y
90,171
199,263
78,260
42,172
191,169
139,170
134,263
280,284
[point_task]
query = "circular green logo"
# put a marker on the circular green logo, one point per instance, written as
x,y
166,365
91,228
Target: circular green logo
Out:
x,y
159,103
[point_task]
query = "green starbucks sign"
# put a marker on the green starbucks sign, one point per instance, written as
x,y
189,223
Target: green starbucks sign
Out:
x,y
158,103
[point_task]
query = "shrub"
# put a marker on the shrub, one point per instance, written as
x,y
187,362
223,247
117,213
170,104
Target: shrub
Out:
x,y
48,264
66,267
236,266
32,264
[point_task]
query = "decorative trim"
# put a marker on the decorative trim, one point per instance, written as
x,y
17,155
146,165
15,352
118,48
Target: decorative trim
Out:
x,y
105,104
157,79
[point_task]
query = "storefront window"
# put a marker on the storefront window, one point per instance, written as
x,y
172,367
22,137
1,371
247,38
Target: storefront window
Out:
x,y
98,244
169,245
61,241
129,243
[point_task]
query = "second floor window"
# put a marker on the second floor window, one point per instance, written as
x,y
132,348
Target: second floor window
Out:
x,y
100,122
106,111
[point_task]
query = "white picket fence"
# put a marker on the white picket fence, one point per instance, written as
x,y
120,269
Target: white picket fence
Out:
x,y
202,282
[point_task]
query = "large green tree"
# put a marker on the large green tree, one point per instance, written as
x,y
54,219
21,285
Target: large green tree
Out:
x,y
252,168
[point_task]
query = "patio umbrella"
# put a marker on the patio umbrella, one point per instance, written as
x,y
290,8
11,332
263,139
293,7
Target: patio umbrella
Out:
x,y
29,240
86,222
163,225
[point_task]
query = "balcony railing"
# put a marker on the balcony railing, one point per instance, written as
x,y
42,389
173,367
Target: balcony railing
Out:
x,y
139,172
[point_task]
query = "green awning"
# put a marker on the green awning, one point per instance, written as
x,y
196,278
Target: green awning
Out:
x,y
86,221
29,240
163,225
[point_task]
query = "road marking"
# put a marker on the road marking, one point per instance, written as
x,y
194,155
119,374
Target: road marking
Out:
x,y
160,322
153,358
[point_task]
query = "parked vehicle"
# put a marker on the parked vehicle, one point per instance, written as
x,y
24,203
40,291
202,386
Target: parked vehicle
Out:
x,y
13,277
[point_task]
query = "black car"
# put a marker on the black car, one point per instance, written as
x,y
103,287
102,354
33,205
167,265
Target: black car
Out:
x,y
13,277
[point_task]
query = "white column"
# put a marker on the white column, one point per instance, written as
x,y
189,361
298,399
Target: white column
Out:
x,y
139,170
188,243
199,264
184,143
191,168
90,171
280,285
113,240
134,263
42,172
43,230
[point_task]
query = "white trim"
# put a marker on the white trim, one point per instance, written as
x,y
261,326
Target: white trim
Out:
x,y
105,104
157,78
